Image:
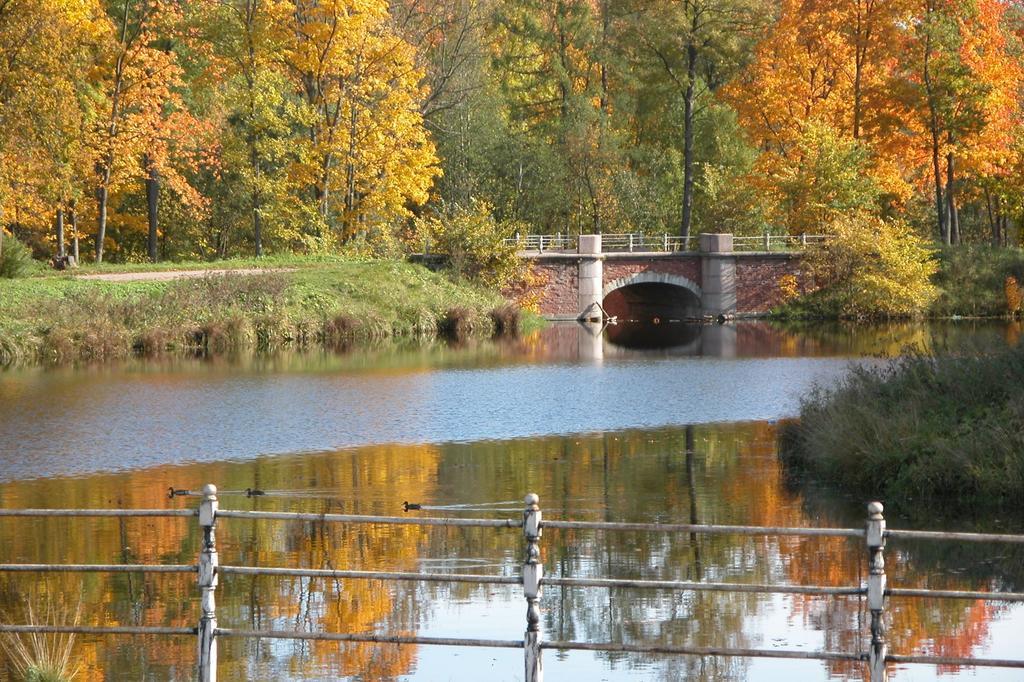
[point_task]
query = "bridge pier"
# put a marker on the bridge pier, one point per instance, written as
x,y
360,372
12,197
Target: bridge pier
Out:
x,y
591,278
718,275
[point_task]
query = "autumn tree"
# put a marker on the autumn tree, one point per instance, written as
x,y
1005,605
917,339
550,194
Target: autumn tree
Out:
x,y
45,106
142,108
260,119
368,155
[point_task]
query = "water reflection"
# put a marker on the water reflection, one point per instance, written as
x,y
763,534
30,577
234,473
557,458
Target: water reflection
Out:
x,y
713,474
667,435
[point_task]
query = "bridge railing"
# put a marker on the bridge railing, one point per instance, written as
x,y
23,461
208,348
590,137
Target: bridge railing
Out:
x,y
778,242
669,243
531,578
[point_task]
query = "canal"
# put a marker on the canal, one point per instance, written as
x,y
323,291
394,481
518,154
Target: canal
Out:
x,y
603,427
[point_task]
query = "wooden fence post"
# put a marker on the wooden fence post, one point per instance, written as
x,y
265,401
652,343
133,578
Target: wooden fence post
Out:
x,y
876,591
533,571
207,660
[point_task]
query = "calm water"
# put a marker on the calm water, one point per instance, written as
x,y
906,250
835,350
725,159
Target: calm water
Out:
x,y
599,430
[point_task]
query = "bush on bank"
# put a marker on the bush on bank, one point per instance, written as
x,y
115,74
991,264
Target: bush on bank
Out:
x,y
937,431
15,259
859,280
872,267
65,319
973,281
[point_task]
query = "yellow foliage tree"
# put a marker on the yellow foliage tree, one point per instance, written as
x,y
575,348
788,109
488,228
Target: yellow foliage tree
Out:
x,y
874,267
44,104
368,156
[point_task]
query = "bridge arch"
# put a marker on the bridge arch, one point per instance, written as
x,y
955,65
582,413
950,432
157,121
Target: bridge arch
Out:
x,y
651,296
652,278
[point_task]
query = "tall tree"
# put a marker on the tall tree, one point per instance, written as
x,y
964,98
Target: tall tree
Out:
x,y
250,38
368,154
141,78
699,44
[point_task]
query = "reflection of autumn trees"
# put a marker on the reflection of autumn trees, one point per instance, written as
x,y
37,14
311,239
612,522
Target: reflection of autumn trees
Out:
x,y
343,483
943,627
706,474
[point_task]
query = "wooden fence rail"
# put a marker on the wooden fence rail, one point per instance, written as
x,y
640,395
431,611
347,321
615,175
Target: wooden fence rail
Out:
x,y
531,578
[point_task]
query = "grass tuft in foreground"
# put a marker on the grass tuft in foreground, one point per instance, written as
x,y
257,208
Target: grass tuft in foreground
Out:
x,y
38,657
939,432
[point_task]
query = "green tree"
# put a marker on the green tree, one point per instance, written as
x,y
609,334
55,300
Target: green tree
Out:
x,y
825,178
698,45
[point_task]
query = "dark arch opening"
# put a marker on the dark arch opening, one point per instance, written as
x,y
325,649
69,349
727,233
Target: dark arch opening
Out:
x,y
652,303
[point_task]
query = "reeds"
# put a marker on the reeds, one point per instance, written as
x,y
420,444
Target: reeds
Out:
x,y
43,657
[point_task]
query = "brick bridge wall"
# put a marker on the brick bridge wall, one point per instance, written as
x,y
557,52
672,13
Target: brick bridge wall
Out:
x,y
757,277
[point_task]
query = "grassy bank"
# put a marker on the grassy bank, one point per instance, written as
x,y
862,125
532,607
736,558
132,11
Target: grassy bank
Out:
x,y
943,431
333,302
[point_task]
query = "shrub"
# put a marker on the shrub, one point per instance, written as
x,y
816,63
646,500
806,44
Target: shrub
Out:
x,y
873,267
458,323
1011,289
507,319
474,244
15,259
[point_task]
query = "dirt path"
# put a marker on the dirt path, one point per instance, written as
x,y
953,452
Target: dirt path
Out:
x,y
164,275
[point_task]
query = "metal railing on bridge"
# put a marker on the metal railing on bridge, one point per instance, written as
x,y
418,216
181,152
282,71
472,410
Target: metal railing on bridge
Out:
x,y
632,242
532,579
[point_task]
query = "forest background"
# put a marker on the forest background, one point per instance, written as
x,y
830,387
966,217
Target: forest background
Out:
x,y
202,129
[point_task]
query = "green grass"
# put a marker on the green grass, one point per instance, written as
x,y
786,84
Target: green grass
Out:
x,y
265,262
328,301
929,432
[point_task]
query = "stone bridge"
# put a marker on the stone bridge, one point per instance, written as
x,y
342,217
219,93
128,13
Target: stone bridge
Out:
x,y
656,286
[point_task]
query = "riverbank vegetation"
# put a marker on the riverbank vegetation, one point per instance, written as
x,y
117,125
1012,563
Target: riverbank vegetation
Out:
x,y
876,275
980,281
942,431
299,302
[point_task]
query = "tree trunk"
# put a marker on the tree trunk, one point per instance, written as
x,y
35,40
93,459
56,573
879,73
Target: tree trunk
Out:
x,y
257,221
933,125
1,233
993,224
60,232
102,197
152,204
257,226
74,230
954,215
688,96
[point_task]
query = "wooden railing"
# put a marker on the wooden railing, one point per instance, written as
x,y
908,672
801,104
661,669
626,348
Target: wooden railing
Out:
x,y
532,579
